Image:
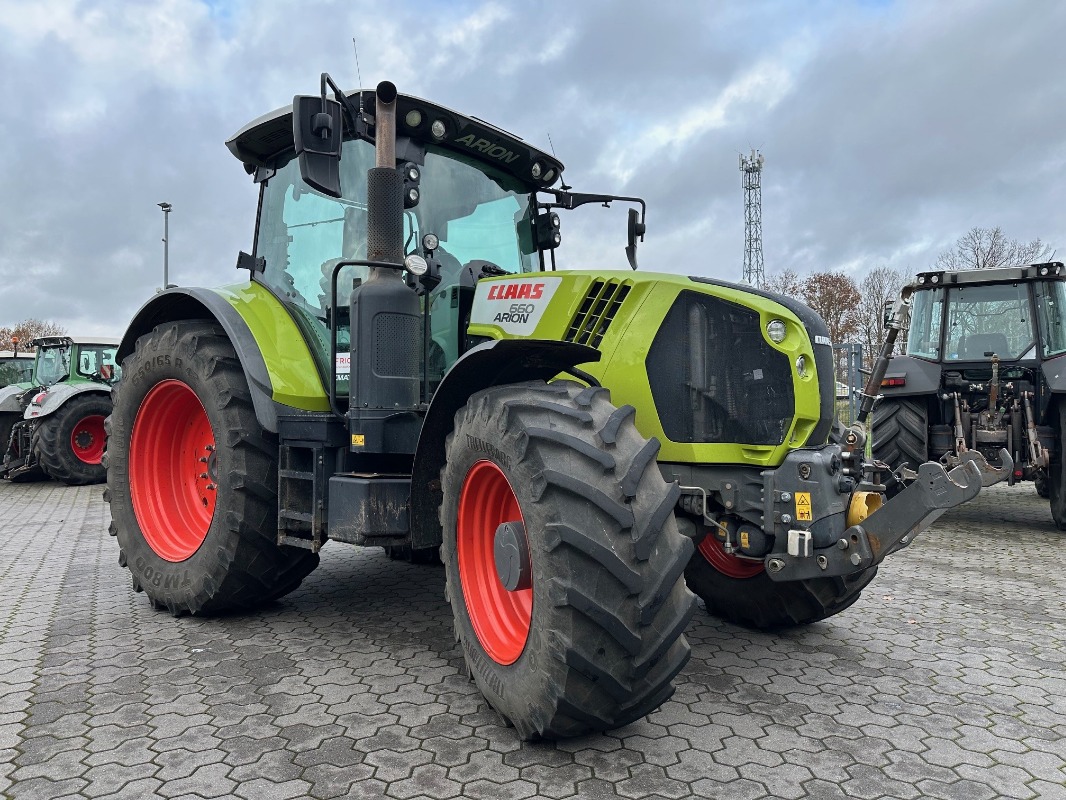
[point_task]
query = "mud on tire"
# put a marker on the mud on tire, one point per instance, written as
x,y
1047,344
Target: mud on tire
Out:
x,y
606,607
68,443
202,536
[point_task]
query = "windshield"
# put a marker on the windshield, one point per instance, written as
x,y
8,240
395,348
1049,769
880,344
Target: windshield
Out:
x,y
927,311
987,320
15,370
53,365
474,210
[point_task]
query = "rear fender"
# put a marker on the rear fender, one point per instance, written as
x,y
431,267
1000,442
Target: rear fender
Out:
x,y
186,303
493,363
56,396
922,377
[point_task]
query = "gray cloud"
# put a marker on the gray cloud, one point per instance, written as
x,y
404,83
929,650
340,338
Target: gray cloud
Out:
x,y
888,128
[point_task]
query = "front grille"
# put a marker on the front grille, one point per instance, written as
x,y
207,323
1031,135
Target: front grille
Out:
x,y
597,310
715,379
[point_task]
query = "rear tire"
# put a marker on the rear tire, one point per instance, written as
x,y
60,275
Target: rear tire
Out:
x,y
594,636
1042,484
69,443
1056,479
192,478
755,601
900,432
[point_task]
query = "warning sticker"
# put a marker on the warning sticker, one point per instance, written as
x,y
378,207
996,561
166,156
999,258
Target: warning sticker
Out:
x,y
803,506
358,440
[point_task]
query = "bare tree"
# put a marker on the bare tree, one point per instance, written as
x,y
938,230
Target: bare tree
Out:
x,y
836,299
880,285
785,282
988,248
28,330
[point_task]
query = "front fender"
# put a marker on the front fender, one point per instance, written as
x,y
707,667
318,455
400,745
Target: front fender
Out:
x,y
56,396
9,399
494,363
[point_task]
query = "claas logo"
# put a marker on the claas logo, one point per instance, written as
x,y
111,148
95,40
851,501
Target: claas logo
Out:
x,y
526,290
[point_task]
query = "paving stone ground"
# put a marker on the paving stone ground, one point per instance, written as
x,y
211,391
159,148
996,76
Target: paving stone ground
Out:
x,y
947,680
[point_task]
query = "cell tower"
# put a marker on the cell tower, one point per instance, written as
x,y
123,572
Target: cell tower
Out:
x,y
751,170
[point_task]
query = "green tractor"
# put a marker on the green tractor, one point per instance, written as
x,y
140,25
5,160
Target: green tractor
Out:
x,y
405,368
53,424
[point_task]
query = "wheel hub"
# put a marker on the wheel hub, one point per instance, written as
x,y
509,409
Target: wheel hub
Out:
x,y
511,551
495,571
173,481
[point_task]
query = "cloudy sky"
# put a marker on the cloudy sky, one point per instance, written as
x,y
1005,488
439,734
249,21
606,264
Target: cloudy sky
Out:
x,y
888,128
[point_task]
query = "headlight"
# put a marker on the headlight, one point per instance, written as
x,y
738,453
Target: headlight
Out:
x,y
776,330
801,366
415,264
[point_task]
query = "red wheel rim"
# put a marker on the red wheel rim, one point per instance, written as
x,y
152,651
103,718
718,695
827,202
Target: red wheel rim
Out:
x,y
729,565
87,439
172,470
500,618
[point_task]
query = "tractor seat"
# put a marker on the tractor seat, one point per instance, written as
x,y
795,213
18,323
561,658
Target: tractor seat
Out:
x,y
974,347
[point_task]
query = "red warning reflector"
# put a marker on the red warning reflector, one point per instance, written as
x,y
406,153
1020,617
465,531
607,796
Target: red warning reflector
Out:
x,y
894,382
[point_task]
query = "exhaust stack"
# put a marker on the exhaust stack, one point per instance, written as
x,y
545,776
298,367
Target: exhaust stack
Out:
x,y
384,185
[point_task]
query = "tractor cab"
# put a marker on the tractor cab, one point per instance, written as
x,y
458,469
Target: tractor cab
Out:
x,y
981,374
477,202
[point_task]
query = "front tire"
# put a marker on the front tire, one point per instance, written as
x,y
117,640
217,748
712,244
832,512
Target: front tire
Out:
x,y
591,634
192,478
740,591
900,432
69,443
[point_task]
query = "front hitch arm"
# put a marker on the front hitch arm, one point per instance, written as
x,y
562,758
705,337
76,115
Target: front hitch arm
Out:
x,y
890,528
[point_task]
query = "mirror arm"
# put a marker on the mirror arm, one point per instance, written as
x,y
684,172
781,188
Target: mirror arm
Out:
x,y
358,122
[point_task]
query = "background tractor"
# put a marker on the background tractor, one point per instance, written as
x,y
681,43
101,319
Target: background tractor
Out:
x,y
16,366
53,425
983,373
405,368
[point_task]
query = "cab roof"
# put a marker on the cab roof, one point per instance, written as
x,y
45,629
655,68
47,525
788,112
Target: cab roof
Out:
x,y
57,341
20,354
1050,270
268,141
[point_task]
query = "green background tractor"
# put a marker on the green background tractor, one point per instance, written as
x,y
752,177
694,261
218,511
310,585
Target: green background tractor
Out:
x,y
53,425
405,368
983,372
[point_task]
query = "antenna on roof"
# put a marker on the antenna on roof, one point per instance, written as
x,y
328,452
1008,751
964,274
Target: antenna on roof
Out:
x,y
358,75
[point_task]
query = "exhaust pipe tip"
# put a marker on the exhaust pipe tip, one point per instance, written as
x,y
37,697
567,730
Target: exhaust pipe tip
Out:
x,y
386,92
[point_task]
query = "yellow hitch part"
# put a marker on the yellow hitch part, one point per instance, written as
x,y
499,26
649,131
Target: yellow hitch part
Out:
x,y
862,505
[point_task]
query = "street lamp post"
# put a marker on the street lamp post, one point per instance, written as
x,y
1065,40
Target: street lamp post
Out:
x,y
166,242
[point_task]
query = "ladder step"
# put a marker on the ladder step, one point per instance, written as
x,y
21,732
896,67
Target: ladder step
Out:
x,y
299,516
296,474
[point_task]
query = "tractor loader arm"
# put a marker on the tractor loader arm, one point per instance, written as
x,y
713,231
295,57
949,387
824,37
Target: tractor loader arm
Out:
x,y
888,529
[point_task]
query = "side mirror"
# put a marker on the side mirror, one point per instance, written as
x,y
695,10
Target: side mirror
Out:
x,y
317,125
887,316
636,229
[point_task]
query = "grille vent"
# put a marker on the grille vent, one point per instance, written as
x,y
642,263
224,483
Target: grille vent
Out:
x,y
598,309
